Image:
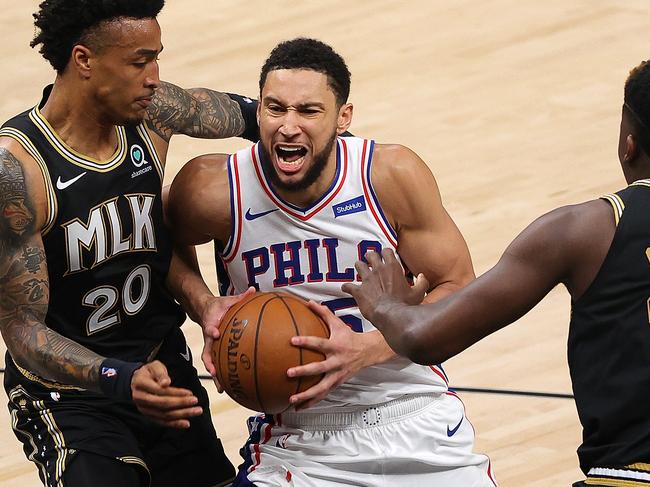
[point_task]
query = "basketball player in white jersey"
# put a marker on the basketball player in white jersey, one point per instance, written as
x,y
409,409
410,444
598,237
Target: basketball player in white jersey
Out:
x,y
293,213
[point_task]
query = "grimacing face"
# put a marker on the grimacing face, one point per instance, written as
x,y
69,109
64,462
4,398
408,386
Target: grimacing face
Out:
x,y
124,72
299,120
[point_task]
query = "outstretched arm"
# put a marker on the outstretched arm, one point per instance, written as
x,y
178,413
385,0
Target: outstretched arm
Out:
x,y
199,112
548,252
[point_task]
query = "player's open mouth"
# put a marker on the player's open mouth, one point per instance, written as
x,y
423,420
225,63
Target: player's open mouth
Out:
x,y
290,157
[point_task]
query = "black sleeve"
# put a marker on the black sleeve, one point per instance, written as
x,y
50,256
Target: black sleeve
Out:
x,y
248,108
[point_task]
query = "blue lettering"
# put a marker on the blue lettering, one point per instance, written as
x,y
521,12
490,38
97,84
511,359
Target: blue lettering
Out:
x,y
262,255
332,263
292,264
315,275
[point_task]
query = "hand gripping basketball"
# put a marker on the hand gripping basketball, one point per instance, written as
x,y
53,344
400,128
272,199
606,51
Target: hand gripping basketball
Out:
x,y
254,352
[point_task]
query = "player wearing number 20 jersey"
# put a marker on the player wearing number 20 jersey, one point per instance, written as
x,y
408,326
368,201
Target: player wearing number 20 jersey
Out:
x,y
102,213
108,255
311,251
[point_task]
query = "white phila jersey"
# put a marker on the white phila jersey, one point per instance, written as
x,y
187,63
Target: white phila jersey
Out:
x,y
310,252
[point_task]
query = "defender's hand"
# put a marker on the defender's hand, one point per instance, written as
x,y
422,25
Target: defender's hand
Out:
x,y
210,320
154,397
384,285
344,356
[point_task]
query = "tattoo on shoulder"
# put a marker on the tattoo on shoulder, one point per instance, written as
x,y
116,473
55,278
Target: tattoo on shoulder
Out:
x,y
197,112
25,290
16,210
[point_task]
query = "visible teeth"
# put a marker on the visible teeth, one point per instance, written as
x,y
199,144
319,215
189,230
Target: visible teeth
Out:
x,y
290,149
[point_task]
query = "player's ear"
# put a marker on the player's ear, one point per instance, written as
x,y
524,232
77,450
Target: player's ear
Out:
x,y
80,59
344,118
631,149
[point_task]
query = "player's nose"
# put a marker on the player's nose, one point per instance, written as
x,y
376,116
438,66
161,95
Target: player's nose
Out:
x,y
152,79
290,124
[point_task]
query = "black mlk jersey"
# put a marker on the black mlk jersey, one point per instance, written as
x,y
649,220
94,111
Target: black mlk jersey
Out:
x,y
108,251
609,342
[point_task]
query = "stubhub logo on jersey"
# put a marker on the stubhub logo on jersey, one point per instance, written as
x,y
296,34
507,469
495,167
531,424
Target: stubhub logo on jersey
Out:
x,y
355,205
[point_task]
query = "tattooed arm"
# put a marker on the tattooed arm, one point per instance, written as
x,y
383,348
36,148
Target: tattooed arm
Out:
x,y
24,290
197,112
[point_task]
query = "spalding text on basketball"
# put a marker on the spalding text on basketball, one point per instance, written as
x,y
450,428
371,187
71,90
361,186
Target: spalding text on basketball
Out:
x,y
236,332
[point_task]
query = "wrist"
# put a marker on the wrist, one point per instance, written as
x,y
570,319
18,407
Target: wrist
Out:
x,y
115,378
248,108
196,297
202,305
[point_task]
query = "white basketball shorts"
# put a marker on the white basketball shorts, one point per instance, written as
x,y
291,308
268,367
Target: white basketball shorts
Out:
x,y
418,441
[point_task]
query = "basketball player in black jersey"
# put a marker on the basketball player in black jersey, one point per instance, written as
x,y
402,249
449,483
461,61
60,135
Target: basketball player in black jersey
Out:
x,y
85,255
603,259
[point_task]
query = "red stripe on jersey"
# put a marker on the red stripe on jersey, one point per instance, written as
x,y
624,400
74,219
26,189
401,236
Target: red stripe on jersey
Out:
x,y
280,204
256,450
369,199
235,246
489,472
267,431
438,372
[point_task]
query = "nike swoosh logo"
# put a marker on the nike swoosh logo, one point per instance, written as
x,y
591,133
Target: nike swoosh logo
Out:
x,y
452,432
253,216
186,355
64,184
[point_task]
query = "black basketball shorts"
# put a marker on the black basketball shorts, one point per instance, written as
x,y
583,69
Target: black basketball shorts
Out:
x,y
54,423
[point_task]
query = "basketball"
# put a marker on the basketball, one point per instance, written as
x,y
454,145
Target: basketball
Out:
x,y
253,352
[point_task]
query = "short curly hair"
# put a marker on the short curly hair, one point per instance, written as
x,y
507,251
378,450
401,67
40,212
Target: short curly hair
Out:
x,y
61,24
304,53
637,103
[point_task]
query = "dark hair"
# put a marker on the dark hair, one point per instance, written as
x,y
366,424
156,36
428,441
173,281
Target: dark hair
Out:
x,y
303,53
637,103
61,24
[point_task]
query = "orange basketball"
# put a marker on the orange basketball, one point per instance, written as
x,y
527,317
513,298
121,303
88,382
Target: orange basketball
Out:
x,y
253,352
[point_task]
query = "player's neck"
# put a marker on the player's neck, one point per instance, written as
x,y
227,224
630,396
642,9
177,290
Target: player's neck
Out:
x,y
306,197
75,119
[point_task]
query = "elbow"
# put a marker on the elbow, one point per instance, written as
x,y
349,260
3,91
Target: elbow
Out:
x,y
422,349
417,348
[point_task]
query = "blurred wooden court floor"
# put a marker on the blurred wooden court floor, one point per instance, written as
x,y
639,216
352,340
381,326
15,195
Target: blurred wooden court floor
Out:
x,y
515,106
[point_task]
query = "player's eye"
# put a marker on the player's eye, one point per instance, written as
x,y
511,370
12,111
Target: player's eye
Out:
x,y
309,111
275,108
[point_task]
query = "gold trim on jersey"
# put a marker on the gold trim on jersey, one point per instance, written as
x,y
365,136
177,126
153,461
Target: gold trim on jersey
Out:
x,y
615,482
617,205
144,134
641,182
26,143
46,383
634,475
135,461
75,157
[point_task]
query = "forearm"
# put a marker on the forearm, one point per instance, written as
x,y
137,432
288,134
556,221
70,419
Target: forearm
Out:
x,y
197,112
441,291
186,283
42,351
219,115
410,333
377,350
